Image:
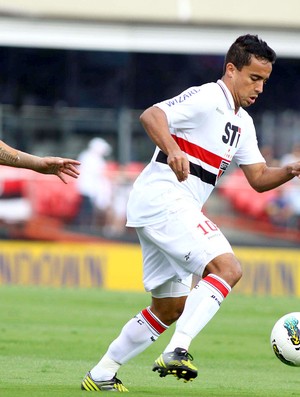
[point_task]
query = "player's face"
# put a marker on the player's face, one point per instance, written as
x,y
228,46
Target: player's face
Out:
x,y
247,84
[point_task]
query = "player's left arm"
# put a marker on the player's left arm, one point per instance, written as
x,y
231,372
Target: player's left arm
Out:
x,y
263,178
44,165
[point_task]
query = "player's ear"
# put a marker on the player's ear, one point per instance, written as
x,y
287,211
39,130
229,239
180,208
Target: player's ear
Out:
x,y
230,69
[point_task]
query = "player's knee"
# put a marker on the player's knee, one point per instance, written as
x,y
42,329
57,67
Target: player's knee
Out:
x,y
169,312
233,272
177,313
226,266
237,274
171,315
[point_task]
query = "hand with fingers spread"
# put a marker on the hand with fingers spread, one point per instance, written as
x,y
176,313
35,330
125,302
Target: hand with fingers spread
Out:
x,y
44,165
58,166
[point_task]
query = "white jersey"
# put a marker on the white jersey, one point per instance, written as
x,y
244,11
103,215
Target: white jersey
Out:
x,y
203,122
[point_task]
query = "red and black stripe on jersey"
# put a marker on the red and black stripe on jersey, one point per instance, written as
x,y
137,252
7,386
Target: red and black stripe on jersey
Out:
x,y
200,153
195,169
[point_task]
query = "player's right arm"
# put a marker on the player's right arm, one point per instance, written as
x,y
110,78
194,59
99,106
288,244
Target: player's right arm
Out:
x,y
155,122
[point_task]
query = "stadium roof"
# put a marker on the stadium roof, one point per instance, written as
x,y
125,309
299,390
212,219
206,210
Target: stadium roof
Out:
x,y
137,37
168,26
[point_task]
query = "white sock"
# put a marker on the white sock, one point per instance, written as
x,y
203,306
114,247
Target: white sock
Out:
x,y
139,333
201,305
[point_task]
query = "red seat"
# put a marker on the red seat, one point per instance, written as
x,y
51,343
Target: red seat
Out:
x,y
49,196
243,197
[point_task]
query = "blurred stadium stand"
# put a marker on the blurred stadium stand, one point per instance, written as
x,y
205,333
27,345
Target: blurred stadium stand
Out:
x,y
70,71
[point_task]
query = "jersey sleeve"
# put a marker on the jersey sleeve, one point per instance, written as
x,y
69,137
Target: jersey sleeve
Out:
x,y
185,109
248,152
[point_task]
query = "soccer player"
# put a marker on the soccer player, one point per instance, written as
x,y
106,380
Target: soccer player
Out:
x,y
44,165
198,133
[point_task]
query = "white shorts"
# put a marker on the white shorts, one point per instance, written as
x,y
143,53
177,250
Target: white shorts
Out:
x,y
175,249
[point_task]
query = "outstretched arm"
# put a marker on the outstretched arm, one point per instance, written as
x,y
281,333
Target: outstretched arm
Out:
x,y
263,178
44,165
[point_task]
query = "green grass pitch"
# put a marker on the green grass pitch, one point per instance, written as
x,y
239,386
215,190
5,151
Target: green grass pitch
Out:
x,y
51,337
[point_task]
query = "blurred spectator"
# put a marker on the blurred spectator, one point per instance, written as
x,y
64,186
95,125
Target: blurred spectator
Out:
x,y
291,190
268,153
93,184
293,156
123,182
279,210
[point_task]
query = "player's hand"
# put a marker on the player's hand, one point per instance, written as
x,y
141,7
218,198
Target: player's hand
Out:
x,y
59,166
179,164
296,169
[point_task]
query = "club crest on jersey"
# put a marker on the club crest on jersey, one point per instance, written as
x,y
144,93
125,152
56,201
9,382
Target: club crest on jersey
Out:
x,y
223,167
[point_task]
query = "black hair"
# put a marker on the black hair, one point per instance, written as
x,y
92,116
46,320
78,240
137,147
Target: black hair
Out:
x,y
241,51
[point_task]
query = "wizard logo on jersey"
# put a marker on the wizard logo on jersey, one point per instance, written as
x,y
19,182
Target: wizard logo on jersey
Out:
x,y
223,167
